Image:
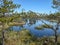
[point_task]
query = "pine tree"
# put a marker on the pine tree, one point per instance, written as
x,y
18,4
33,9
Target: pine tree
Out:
x,y
7,6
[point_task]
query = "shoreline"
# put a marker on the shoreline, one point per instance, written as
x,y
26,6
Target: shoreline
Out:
x,y
11,24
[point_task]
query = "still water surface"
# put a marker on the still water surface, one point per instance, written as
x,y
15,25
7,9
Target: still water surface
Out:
x,y
31,27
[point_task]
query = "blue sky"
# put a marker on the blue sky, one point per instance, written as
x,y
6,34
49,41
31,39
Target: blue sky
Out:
x,y
41,6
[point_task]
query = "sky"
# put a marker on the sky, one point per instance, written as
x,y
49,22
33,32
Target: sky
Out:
x,y
40,6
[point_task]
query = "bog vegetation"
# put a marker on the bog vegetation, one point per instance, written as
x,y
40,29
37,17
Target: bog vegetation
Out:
x,y
23,37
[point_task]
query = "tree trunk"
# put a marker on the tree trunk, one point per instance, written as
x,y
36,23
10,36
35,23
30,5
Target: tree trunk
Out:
x,y
55,37
3,34
56,33
3,37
